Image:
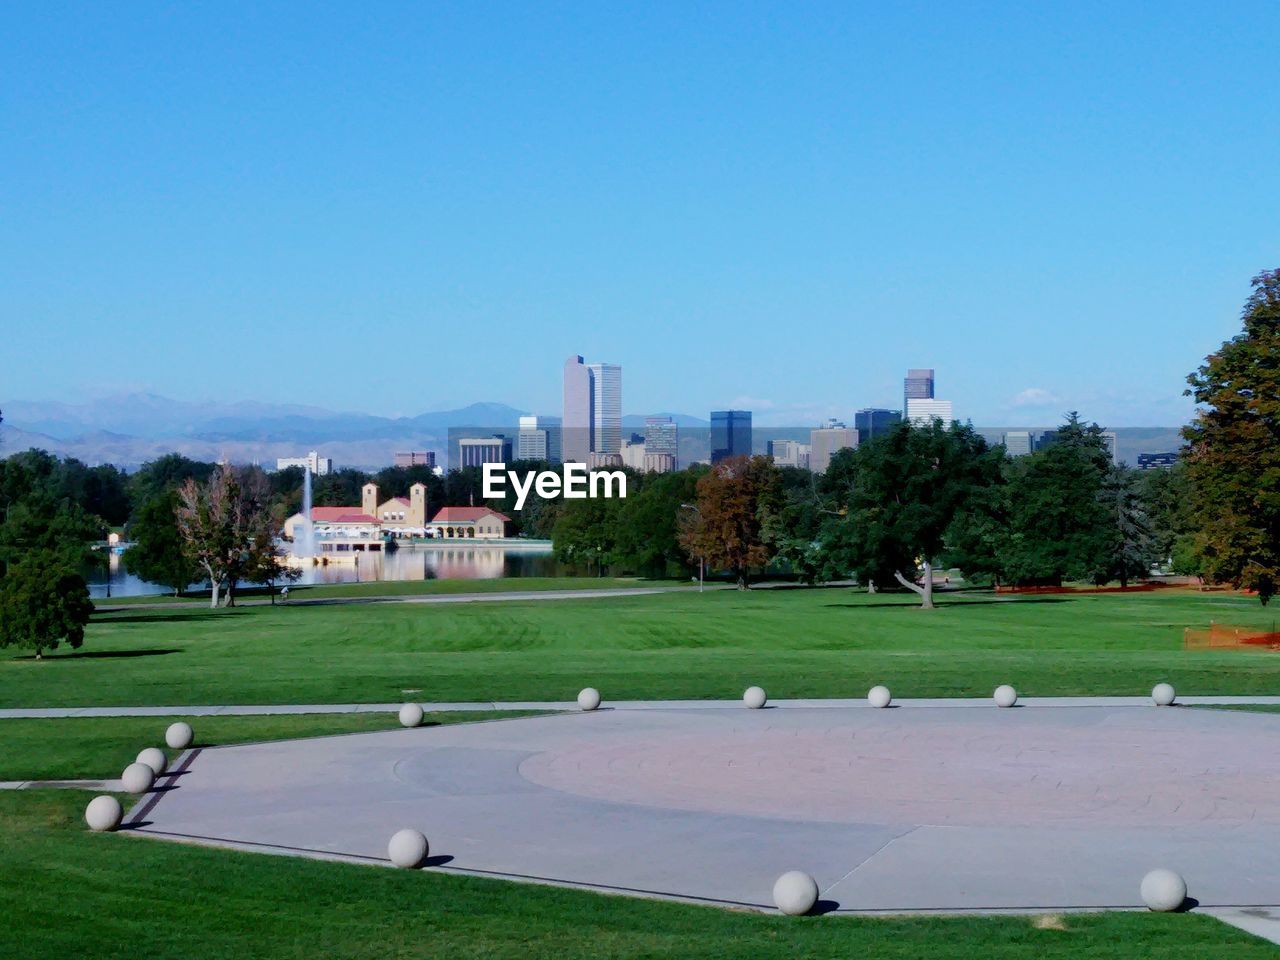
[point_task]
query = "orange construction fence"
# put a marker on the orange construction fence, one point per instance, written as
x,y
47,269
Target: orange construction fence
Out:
x,y
1221,636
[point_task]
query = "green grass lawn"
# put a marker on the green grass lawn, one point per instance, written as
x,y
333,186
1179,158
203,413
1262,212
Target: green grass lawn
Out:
x,y
70,893
408,588
98,748
794,642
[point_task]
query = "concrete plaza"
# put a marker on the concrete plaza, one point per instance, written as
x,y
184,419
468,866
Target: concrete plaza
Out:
x,y
970,808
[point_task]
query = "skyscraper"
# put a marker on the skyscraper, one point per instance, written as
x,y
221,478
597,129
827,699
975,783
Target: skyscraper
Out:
x,y
538,440
921,411
826,440
661,436
606,407
918,385
1018,443
872,422
730,434
575,435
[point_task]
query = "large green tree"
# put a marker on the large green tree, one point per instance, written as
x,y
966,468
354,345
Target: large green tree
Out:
x,y
1130,549
1060,525
1234,457
43,602
158,551
648,539
908,487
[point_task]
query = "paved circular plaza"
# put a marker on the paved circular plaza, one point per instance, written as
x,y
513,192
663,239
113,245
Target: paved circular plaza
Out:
x,y
961,807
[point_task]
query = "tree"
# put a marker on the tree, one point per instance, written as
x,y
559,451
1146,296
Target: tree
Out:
x,y
648,539
1130,547
1234,458
586,532
43,602
737,509
227,528
908,487
1166,497
159,552
166,473
1060,526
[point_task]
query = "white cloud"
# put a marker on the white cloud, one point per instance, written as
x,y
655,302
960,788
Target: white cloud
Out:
x,y
1035,397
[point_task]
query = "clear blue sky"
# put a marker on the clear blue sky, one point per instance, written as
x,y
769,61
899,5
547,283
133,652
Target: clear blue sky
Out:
x,y
775,206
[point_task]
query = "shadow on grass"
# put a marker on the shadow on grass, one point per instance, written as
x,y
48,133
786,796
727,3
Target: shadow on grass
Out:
x,y
166,617
103,654
939,603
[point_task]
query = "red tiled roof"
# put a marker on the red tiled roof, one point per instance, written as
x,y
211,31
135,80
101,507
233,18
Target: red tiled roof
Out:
x,y
340,515
404,500
467,515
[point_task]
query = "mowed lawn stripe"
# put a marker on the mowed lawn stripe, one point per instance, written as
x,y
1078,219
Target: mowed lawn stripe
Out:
x,y
795,642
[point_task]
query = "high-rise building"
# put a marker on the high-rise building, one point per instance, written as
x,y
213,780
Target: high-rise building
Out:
x,y
592,409
661,436
633,452
1157,461
659,463
730,434
826,440
416,458
872,422
477,451
789,453
1017,443
575,436
918,385
533,441
606,407
922,410
319,465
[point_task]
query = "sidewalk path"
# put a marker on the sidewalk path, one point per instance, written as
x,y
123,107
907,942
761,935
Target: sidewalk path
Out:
x,y
247,710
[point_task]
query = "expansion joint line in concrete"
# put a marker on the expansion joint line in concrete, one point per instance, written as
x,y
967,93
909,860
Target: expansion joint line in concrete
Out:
x,y
867,859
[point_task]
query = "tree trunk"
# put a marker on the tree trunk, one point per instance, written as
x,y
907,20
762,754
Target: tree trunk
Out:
x,y
214,586
925,591
744,579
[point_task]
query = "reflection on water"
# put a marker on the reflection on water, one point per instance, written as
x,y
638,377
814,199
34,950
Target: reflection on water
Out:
x,y
453,562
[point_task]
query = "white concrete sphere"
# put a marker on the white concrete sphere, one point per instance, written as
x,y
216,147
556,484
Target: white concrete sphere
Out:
x,y
795,893
589,698
1163,891
1005,696
103,813
410,715
754,697
879,697
1162,694
137,778
154,758
408,848
179,735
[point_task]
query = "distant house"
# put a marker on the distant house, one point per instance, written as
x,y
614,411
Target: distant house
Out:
x,y
468,523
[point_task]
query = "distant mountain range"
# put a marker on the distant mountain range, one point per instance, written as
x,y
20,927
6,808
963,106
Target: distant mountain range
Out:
x,y
130,429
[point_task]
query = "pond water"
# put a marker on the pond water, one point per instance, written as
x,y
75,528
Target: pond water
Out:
x,y
453,562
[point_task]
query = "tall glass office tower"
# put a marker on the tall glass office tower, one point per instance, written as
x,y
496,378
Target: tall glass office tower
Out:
x,y
730,434
575,436
606,404
918,385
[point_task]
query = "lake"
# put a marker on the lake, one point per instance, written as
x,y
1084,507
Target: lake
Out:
x,y
453,562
